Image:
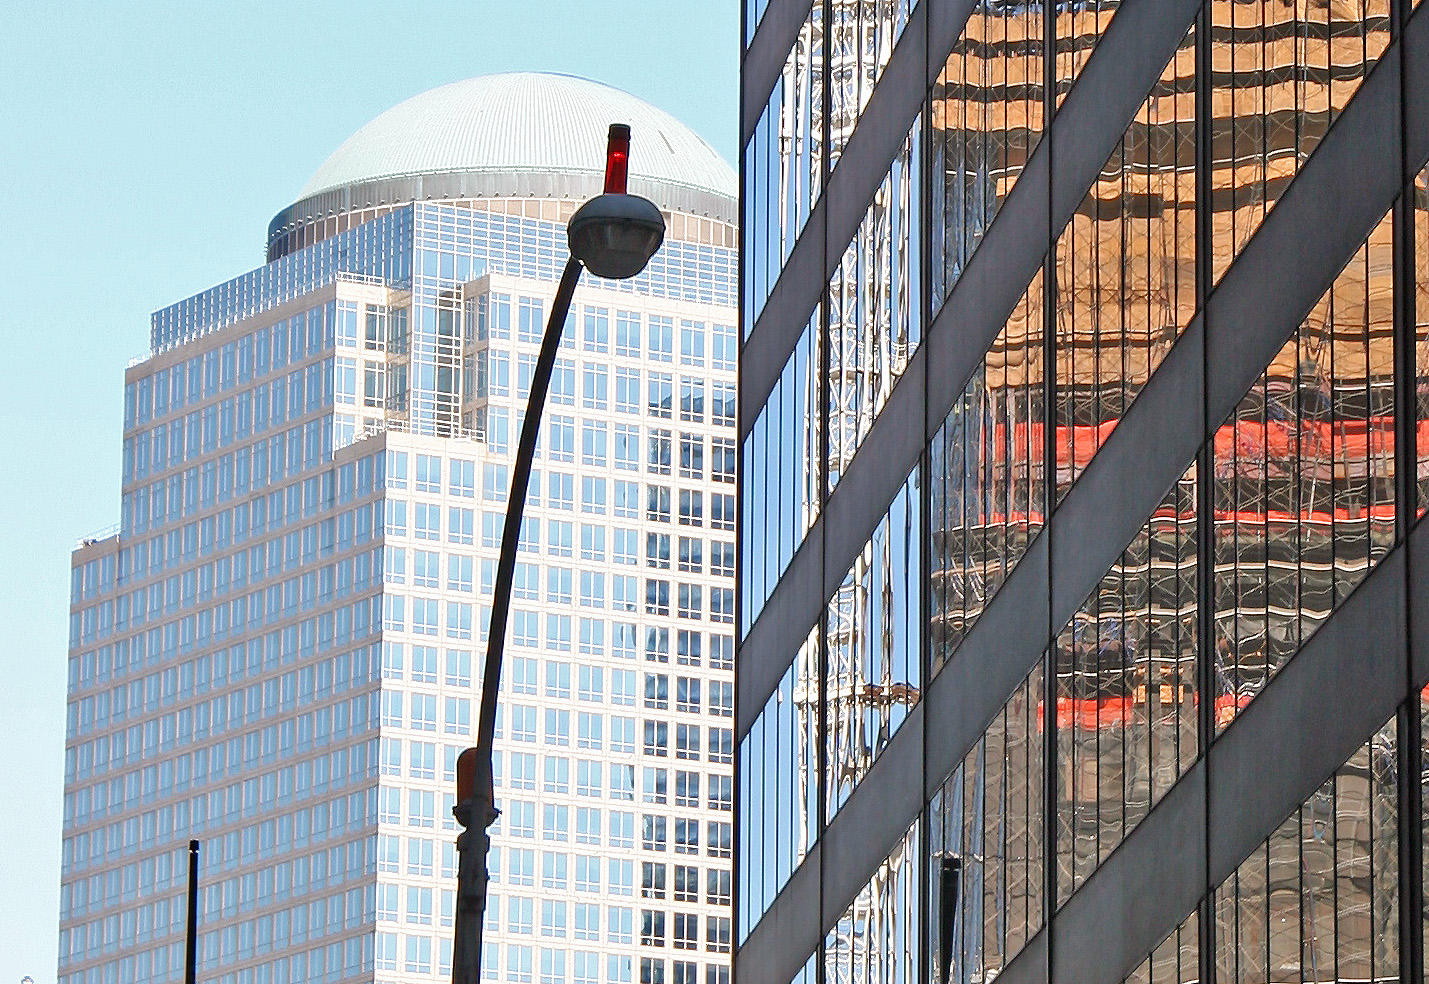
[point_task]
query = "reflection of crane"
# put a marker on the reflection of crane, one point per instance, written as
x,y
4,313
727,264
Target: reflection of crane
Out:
x,y
870,316
801,125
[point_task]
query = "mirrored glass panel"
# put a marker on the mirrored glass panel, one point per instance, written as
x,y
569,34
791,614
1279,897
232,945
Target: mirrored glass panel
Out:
x,y
1304,479
1126,267
874,645
1318,900
784,166
1125,690
988,493
986,853
863,34
781,473
1079,25
873,302
779,811
1175,961
876,940
1280,74
987,116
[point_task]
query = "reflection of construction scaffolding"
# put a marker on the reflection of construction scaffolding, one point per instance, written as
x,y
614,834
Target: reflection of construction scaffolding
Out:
x,y
1305,504
1318,901
801,124
865,347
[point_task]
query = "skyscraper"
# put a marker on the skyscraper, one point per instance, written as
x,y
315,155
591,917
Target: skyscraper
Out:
x,y
1083,422
278,651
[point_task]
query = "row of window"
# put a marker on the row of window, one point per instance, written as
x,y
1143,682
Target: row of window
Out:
x,y
413,955
560,582
319,678
494,321
595,445
592,875
234,475
456,720
277,837
422,667
520,815
347,910
287,930
195,490
164,601
685,928
584,874
590,731
426,473
212,718
220,807
429,808
466,621
492,378
622,497
590,686
420,762
274,696
172,681
517,866
201,377
561,920
426,807
425,566
520,862
252,412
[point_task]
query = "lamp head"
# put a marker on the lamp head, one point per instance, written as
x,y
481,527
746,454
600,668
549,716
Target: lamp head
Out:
x,y
615,234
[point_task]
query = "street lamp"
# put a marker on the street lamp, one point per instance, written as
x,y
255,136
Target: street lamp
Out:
x,y
614,235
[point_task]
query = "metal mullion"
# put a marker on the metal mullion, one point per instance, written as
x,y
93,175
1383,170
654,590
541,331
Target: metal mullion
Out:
x,y
1300,880
1125,223
1205,531
1049,483
1335,869
1409,748
925,547
1302,509
1235,961
1409,835
1004,868
821,334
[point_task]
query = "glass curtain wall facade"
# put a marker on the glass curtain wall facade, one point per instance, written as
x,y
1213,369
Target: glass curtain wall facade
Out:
x,y
278,652
1084,653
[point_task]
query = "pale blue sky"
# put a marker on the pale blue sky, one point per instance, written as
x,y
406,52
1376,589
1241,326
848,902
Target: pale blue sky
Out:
x,y
143,148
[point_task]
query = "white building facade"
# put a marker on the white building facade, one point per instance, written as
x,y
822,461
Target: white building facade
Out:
x,y
278,652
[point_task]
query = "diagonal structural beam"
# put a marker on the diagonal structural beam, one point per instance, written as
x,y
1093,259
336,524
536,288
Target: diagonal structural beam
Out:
x,y
933,27
1345,187
1228,803
1140,39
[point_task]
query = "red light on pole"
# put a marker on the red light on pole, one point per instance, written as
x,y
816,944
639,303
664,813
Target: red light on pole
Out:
x,y
617,159
466,775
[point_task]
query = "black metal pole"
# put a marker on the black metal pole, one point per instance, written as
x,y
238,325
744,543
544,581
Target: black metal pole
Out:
x,y
478,811
950,872
191,955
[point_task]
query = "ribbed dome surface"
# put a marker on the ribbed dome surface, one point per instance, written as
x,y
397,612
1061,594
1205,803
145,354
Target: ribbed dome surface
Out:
x,y
522,121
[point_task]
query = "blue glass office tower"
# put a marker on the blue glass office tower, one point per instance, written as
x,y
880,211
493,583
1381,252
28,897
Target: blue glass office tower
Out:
x,y
275,652
1084,446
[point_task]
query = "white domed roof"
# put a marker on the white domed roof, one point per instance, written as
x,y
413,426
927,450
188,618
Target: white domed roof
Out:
x,y
517,122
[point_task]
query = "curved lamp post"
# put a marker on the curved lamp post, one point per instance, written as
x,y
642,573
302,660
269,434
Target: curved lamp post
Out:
x,y
614,235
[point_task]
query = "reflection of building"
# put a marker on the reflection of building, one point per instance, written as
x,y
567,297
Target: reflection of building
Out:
x,y
1040,548
279,650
